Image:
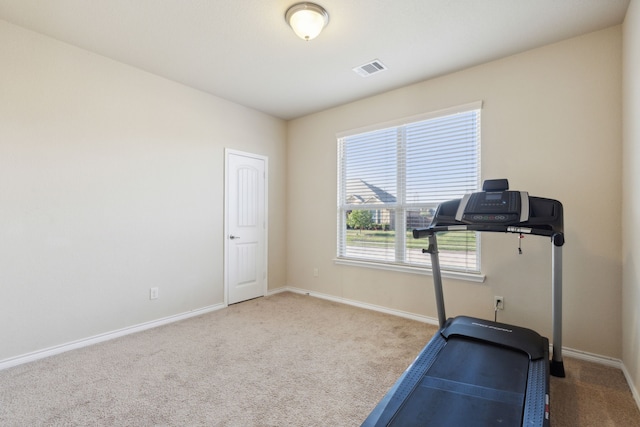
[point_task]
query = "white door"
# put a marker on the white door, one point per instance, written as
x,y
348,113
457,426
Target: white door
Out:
x,y
246,226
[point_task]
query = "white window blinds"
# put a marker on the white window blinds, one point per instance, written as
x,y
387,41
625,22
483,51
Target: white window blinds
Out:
x,y
390,181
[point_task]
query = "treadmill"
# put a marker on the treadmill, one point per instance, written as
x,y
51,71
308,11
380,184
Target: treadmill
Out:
x,y
477,372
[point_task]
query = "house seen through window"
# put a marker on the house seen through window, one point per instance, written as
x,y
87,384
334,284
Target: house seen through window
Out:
x,y
391,180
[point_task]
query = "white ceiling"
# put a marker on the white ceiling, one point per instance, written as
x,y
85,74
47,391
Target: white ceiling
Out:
x,y
243,51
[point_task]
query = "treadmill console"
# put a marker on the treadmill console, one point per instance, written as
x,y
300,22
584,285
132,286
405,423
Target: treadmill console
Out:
x,y
494,205
495,208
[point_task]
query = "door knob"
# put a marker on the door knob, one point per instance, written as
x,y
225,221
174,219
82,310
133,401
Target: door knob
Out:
x,y
232,237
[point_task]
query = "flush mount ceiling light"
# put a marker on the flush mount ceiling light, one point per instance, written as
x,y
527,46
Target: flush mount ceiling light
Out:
x,y
307,19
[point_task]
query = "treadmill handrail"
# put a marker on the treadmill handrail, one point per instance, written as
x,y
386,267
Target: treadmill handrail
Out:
x,y
557,237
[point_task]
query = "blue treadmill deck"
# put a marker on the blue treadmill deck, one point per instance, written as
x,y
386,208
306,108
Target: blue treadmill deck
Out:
x,y
473,373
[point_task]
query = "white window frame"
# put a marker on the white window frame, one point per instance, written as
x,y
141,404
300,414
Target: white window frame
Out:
x,y
400,263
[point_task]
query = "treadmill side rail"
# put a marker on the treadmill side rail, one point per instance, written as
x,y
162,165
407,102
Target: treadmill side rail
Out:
x,y
408,381
520,398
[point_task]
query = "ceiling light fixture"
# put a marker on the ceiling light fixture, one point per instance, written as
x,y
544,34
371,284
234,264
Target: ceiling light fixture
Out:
x,y
307,19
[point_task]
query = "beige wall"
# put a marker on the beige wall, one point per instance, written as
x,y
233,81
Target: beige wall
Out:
x,y
551,124
111,182
631,205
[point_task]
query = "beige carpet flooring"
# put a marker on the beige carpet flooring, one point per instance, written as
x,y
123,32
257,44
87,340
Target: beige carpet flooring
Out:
x,y
283,360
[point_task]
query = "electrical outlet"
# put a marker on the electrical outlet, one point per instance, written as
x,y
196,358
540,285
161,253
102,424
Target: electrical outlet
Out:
x,y
153,293
315,272
498,303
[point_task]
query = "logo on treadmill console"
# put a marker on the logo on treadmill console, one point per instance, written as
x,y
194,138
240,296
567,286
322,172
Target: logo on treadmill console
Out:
x,y
482,325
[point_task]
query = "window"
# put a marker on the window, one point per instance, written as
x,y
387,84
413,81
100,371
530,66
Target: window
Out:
x,y
391,180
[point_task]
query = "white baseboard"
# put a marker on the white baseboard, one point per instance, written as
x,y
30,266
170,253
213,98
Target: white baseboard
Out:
x,y
634,391
41,354
399,313
608,361
591,357
577,354
569,352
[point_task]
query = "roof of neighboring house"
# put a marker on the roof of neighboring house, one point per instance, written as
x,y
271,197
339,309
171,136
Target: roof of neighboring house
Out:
x,y
359,191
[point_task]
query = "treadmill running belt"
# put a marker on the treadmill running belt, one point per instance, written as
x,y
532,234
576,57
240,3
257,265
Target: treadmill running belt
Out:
x,y
488,381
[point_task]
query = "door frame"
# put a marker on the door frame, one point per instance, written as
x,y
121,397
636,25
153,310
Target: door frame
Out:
x,y
227,153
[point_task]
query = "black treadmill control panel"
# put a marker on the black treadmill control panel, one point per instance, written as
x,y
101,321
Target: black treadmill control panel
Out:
x,y
496,207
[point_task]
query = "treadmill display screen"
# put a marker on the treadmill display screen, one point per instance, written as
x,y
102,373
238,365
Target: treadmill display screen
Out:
x,y
497,207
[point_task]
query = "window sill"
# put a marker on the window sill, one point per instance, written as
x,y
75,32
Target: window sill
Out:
x,y
459,275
